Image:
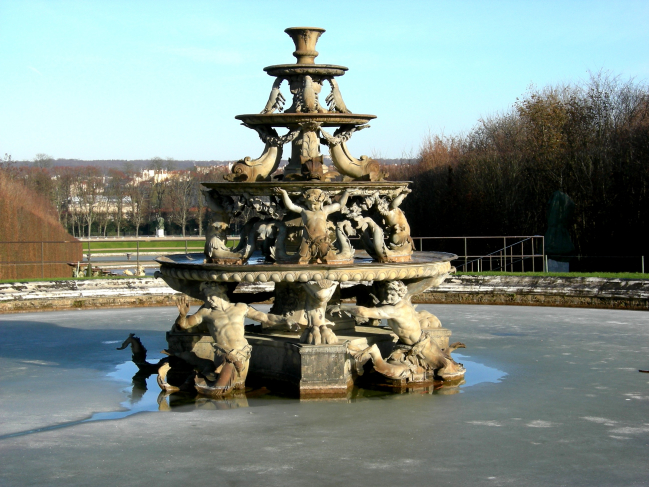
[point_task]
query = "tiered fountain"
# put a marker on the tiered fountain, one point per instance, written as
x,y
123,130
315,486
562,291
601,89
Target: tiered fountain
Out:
x,y
295,249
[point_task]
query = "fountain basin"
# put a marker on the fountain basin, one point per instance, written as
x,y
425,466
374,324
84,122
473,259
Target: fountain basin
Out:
x,y
191,267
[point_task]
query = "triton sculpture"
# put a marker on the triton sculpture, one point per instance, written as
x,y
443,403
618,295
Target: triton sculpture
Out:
x,y
295,248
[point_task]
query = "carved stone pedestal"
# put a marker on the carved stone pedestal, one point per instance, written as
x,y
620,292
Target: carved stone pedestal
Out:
x,y
310,370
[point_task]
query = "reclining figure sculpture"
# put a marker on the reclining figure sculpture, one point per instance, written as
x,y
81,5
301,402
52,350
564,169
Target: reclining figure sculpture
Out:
x,y
225,323
416,354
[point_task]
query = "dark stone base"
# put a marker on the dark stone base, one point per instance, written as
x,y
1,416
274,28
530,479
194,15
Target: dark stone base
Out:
x,y
310,370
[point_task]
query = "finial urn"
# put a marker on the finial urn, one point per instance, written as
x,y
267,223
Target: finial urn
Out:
x,y
305,39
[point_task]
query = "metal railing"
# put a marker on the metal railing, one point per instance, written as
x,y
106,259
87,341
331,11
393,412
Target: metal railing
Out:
x,y
513,253
507,257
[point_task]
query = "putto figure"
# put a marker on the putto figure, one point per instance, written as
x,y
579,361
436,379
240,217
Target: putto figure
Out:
x,y
416,353
316,246
388,221
225,323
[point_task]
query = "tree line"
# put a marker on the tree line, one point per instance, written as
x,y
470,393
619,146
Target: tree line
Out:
x,y
589,140
99,201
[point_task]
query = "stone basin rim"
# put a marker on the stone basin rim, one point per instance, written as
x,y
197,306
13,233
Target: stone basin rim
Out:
x,y
431,264
295,119
265,188
318,70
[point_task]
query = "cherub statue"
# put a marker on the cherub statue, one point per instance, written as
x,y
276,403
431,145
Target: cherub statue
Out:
x,y
395,220
316,244
388,219
225,322
416,352
216,238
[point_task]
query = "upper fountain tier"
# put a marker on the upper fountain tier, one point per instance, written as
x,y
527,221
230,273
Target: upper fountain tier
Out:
x,y
305,39
305,79
306,119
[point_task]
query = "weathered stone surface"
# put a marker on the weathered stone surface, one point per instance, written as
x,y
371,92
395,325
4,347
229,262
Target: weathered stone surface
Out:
x,y
536,291
311,369
572,286
543,291
48,295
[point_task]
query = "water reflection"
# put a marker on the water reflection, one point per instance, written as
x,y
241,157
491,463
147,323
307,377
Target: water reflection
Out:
x,y
145,395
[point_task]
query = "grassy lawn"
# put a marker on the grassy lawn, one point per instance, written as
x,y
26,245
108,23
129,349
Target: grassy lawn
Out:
x,y
39,279
108,245
607,275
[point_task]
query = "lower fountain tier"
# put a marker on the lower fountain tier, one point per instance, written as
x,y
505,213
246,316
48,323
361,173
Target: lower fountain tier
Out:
x,y
297,188
190,267
280,360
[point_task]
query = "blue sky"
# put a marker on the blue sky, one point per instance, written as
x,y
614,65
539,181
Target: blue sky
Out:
x,y
139,79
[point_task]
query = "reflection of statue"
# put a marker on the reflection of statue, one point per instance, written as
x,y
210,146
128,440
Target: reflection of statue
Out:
x,y
225,322
416,352
316,244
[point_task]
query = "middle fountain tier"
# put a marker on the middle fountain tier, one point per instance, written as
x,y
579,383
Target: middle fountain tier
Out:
x,y
312,240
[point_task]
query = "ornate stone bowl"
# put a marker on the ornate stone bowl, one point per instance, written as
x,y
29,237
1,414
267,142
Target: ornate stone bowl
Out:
x,y
190,267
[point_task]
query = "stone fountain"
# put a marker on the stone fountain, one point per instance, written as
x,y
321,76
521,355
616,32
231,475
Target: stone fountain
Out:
x,y
315,239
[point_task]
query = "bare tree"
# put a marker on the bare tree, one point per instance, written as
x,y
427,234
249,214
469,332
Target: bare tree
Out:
x,y
181,192
43,161
138,196
117,193
90,192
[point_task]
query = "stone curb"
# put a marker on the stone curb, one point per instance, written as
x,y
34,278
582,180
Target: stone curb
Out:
x,y
498,290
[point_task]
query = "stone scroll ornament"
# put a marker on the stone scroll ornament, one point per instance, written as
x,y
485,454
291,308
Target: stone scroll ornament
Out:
x,y
416,354
261,168
364,168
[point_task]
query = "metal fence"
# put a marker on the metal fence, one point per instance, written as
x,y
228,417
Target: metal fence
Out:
x,y
43,256
475,254
512,252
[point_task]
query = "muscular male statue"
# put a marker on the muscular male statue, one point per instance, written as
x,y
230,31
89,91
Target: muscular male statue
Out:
x,y
225,322
422,352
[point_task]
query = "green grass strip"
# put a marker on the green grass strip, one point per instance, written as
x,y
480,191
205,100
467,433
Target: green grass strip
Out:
x,y
52,279
605,275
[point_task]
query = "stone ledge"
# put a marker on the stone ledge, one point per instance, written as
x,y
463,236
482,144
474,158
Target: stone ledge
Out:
x,y
559,286
591,292
500,290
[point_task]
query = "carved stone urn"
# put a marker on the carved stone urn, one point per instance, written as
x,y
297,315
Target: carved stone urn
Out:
x,y
305,39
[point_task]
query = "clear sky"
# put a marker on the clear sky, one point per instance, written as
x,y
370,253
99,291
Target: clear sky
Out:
x,y
138,79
